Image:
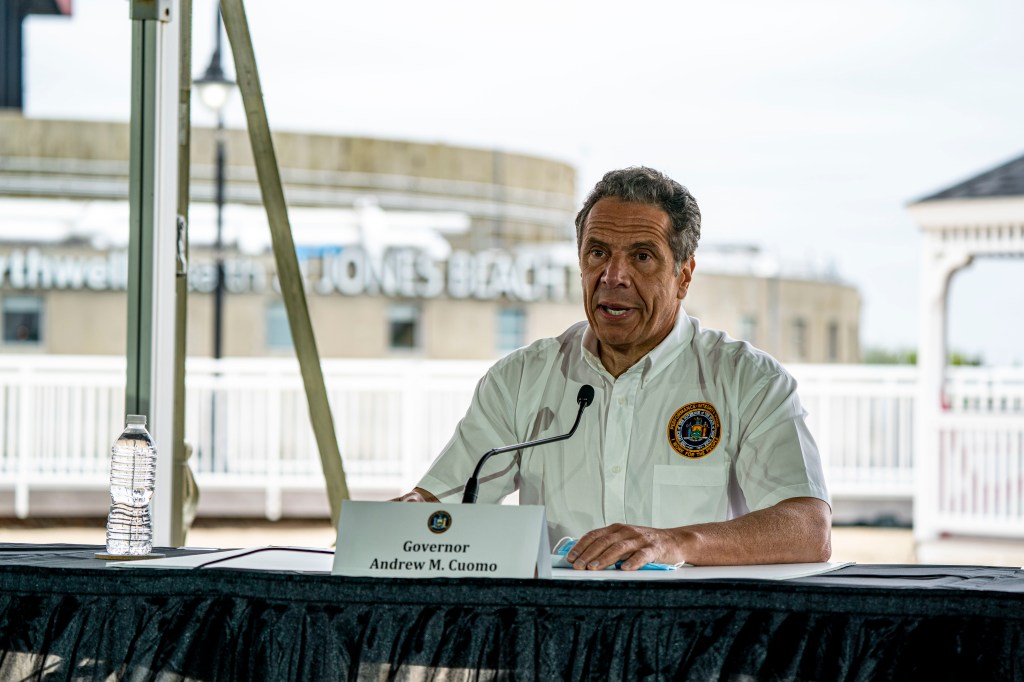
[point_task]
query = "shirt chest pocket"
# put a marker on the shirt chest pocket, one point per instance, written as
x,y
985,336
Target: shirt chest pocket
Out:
x,y
688,493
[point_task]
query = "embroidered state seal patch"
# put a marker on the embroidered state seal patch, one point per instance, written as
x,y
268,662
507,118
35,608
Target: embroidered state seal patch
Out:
x,y
694,430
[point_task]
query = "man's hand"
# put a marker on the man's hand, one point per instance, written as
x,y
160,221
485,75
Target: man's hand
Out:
x,y
634,545
416,495
796,530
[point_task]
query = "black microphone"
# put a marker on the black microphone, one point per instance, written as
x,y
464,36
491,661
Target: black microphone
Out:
x,y
584,398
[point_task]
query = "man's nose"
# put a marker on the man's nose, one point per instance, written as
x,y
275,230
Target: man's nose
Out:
x,y
616,272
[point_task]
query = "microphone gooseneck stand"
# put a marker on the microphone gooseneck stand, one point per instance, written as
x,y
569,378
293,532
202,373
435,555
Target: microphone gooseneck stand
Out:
x,y
584,398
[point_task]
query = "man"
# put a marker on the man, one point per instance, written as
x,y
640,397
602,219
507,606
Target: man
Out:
x,y
695,449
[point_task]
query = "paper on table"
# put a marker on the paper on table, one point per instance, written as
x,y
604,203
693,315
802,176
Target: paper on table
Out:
x,y
757,572
299,559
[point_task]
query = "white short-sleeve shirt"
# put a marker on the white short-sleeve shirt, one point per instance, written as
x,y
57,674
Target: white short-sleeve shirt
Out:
x,y
703,428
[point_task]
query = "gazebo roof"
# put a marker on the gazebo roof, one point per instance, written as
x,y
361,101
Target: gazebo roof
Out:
x,y
1006,180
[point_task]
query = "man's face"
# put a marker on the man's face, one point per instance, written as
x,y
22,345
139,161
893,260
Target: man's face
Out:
x,y
630,288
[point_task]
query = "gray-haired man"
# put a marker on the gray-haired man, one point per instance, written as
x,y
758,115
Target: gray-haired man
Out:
x,y
695,449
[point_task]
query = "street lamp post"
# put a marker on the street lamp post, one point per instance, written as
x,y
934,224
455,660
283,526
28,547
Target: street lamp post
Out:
x,y
214,89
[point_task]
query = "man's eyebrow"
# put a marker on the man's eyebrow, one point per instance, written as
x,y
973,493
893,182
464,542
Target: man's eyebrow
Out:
x,y
635,246
650,246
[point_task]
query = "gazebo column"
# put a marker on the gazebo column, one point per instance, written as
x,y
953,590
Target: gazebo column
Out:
x,y
937,268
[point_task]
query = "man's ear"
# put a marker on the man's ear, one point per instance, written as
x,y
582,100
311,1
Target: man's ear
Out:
x,y
685,276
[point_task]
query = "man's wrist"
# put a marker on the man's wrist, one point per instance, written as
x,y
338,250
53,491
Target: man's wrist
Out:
x,y
416,495
426,495
685,544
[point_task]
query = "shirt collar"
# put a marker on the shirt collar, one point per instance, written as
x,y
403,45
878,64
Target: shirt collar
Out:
x,y
660,357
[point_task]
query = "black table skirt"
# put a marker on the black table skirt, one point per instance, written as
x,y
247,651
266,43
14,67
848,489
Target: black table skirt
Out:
x,y
64,615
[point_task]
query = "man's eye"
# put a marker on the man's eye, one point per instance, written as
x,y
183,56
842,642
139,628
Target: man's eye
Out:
x,y
643,256
597,253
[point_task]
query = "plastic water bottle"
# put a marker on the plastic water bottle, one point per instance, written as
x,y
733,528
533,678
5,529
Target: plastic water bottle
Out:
x,y
132,476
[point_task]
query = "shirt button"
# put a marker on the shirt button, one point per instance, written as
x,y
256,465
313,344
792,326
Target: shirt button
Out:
x,y
622,401
616,469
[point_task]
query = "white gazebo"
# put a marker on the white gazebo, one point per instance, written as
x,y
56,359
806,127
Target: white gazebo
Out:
x,y
965,455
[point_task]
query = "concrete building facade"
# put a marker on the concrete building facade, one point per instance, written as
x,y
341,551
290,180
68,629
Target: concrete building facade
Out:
x,y
409,250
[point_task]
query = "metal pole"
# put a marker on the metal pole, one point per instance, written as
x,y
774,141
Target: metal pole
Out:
x,y
184,492
11,35
152,243
216,67
215,71
219,454
218,246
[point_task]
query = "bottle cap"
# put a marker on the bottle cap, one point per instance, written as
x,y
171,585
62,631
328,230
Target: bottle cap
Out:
x,y
137,419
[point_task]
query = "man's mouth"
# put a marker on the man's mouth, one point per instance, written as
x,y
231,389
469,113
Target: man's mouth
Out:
x,y
614,312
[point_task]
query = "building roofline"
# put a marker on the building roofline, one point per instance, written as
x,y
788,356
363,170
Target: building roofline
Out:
x,y
1004,180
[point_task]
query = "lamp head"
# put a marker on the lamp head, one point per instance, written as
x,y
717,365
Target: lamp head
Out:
x,y
214,87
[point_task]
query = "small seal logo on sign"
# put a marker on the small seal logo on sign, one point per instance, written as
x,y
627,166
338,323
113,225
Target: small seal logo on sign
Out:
x,y
694,430
439,522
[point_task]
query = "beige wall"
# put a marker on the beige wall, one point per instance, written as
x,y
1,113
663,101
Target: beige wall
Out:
x,y
73,323
775,304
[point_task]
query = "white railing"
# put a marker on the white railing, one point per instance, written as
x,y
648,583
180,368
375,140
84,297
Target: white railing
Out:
x,y
249,428
981,474
246,420
862,417
981,454
57,415
986,390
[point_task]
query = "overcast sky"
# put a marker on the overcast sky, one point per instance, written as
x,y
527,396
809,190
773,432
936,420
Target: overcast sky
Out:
x,y
802,127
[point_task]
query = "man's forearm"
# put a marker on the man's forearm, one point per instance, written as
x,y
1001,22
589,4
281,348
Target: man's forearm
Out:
x,y
793,531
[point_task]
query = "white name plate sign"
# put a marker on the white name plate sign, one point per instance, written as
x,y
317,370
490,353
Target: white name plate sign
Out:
x,y
431,540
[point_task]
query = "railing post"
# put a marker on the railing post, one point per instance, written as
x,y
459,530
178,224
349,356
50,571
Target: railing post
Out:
x,y
26,421
413,382
826,446
273,505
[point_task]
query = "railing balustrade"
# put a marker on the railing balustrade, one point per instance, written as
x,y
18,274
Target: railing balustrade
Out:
x,y
247,422
981,474
862,419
